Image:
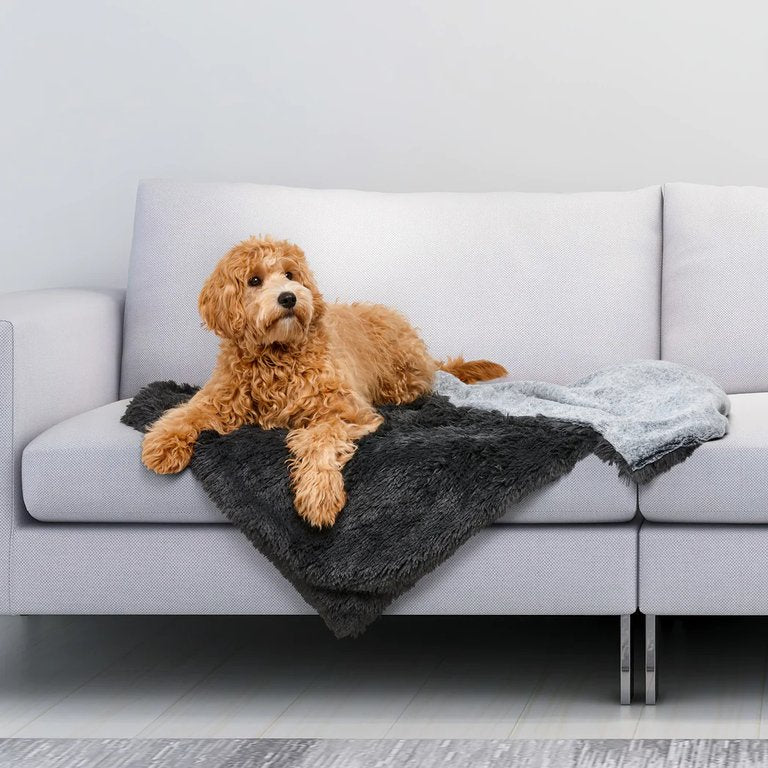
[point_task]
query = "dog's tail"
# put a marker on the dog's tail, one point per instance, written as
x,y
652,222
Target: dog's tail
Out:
x,y
472,371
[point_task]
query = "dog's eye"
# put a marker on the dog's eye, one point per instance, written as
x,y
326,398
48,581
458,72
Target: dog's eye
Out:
x,y
254,281
289,275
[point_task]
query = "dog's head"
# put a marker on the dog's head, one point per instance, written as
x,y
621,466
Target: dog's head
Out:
x,y
262,292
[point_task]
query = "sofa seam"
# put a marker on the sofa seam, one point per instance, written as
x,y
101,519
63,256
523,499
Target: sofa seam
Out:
x,y
640,520
121,343
639,523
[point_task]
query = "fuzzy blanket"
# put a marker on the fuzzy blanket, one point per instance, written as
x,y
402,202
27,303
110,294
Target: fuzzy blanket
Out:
x,y
428,479
654,413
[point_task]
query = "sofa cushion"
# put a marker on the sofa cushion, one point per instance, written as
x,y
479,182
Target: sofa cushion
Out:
x,y
715,283
88,469
724,481
553,286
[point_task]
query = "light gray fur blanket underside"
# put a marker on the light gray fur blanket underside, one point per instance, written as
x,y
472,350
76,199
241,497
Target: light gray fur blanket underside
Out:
x,y
654,413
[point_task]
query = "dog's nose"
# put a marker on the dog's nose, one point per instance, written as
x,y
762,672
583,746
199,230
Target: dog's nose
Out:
x,y
287,299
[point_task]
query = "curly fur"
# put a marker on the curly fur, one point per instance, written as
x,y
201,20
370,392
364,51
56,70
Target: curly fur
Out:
x,y
317,369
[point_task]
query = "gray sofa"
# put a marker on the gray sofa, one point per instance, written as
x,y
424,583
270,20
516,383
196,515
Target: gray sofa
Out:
x,y
553,286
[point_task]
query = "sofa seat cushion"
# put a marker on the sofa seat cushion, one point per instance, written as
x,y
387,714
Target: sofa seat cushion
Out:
x,y
724,481
88,469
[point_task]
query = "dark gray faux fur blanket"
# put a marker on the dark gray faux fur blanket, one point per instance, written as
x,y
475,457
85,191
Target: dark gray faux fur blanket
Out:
x,y
428,479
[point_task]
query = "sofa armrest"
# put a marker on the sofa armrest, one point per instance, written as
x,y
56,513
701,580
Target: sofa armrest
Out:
x,y
59,356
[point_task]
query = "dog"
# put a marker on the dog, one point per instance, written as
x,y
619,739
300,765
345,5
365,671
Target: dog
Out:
x,y
289,359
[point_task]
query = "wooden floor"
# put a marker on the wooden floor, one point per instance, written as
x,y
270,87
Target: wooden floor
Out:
x,y
483,677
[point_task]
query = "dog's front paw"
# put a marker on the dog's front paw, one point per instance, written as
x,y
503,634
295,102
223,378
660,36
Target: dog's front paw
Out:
x,y
320,496
165,453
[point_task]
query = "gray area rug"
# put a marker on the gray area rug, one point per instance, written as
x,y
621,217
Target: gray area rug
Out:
x,y
349,753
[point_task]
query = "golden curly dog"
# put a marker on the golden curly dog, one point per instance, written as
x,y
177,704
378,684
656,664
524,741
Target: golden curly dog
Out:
x,y
288,359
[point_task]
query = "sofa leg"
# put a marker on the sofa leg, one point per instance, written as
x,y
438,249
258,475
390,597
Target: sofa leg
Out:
x,y
651,681
625,661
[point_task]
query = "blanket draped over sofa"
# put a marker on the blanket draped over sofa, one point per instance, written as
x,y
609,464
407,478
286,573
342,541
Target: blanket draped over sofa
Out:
x,y
429,478
652,412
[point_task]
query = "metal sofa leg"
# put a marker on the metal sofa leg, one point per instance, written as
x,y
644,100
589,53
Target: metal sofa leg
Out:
x,y
625,662
651,682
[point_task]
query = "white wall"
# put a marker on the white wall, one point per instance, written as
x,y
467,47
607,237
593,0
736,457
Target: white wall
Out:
x,y
396,95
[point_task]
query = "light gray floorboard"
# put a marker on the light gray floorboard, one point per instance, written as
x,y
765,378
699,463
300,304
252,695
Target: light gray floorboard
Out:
x,y
466,677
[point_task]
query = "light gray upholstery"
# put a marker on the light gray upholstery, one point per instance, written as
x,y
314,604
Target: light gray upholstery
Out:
x,y
724,481
10,504
703,569
514,569
59,355
88,469
553,286
715,283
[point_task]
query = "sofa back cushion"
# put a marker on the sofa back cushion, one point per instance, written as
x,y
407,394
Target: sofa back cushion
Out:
x,y
552,286
715,283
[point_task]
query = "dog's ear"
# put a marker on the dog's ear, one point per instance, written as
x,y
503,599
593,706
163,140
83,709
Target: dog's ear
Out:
x,y
306,278
221,301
